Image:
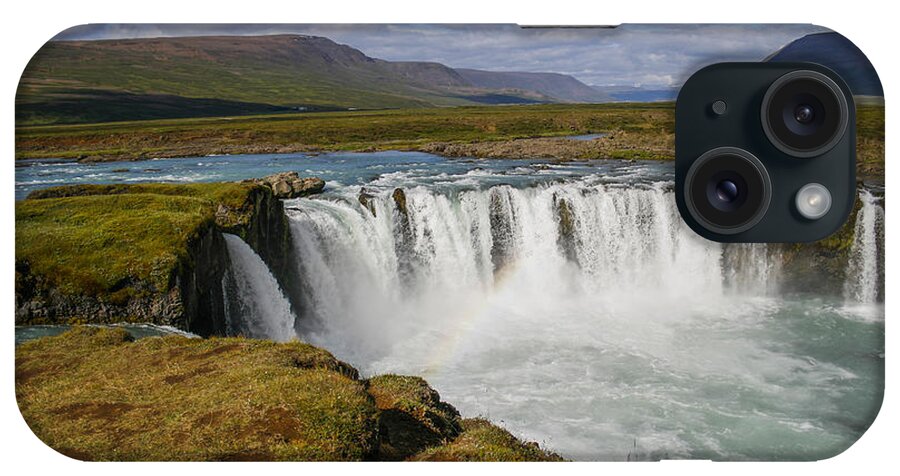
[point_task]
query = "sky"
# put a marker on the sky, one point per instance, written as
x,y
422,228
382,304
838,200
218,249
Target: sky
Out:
x,y
650,56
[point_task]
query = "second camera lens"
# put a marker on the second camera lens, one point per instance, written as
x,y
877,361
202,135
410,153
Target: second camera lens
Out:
x,y
727,190
804,113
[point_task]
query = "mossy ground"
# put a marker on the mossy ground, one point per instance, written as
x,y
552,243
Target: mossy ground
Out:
x,y
107,239
483,441
406,129
94,394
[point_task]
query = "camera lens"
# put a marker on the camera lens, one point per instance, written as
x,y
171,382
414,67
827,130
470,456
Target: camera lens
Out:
x,y
727,190
804,113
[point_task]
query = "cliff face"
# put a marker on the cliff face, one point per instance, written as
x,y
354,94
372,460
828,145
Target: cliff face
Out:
x,y
265,227
183,285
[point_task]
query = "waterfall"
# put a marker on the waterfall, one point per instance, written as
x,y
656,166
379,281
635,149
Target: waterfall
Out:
x,y
865,270
378,270
254,303
581,313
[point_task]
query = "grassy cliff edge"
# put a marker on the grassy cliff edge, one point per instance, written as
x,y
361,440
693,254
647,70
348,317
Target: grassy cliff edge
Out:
x,y
95,394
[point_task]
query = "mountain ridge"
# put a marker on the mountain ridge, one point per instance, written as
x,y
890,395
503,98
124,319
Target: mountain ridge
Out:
x,y
252,73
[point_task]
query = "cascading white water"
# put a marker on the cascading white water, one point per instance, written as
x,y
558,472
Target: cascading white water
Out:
x,y
385,275
864,272
581,314
259,309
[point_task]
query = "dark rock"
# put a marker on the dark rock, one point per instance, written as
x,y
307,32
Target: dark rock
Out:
x,y
399,197
412,416
366,199
405,243
566,218
262,223
502,218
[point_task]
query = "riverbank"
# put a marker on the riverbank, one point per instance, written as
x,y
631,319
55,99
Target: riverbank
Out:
x,y
96,394
419,129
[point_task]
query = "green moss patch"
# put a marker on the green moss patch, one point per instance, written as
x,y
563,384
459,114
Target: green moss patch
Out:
x,y
483,441
115,241
93,394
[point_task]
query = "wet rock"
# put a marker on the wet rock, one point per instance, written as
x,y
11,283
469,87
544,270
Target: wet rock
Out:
x,y
399,197
502,218
367,201
404,246
566,218
290,184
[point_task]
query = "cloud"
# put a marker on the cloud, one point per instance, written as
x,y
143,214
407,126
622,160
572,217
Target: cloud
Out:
x,y
650,55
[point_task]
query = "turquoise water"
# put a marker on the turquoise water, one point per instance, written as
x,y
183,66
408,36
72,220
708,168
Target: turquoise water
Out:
x,y
138,331
337,169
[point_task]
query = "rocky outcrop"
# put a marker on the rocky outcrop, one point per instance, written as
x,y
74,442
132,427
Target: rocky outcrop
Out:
x,y
291,185
189,295
192,302
262,223
367,200
412,416
403,246
502,218
566,219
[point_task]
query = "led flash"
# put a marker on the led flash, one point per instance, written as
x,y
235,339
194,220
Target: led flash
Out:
x,y
813,201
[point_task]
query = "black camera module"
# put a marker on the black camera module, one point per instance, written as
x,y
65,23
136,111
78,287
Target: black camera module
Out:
x,y
779,166
727,190
804,113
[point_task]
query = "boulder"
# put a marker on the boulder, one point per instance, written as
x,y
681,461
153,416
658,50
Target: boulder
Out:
x,y
412,416
290,184
367,201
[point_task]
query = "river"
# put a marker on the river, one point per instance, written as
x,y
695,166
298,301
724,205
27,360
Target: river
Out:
x,y
566,302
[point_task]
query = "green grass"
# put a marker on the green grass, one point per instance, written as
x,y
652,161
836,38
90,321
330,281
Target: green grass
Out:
x,y
870,140
115,240
331,131
91,394
94,394
483,441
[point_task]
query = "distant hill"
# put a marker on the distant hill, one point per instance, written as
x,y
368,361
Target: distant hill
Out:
x,y
553,85
109,80
838,53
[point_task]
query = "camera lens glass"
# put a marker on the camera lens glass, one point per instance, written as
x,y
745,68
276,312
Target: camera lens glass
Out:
x,y
804,113
727,190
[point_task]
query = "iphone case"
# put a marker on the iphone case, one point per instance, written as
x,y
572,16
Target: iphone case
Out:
x,y
462,239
